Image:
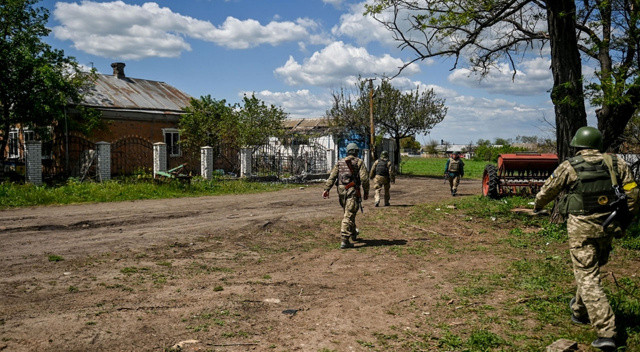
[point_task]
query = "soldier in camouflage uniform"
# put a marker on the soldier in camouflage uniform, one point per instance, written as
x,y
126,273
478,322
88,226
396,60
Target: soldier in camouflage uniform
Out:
x,y
382,173
454,171
348,175
589,185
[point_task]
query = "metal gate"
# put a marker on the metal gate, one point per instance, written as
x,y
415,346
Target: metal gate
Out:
x,y
74,161
286,161
130,154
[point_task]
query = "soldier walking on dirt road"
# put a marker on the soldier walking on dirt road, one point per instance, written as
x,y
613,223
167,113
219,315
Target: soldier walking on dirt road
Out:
x,y
454,171
349,174
382,173
594,181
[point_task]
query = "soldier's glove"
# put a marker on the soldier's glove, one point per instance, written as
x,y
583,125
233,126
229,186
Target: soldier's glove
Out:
x,y
325,194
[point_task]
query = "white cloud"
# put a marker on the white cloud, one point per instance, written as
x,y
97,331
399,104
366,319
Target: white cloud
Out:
x,y
532,78
301,103
470,118
119,30
364,29
340,64
335,3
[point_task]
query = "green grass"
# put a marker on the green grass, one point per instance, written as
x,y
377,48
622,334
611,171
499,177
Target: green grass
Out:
x,y
17,195
435,167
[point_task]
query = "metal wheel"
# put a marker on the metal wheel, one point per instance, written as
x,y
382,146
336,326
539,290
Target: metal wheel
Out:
x,y
490,181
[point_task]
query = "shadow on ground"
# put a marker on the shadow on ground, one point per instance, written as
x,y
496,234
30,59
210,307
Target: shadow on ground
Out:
x,y
378,243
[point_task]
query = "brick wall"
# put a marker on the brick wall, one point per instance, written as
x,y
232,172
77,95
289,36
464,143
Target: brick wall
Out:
x,y
116,129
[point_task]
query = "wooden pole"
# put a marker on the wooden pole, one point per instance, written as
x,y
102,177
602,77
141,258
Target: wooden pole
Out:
x,y
373,140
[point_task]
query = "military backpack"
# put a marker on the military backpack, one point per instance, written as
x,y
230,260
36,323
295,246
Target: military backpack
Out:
x,y
382,169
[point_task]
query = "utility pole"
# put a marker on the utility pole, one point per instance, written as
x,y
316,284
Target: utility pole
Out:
x,y
372,147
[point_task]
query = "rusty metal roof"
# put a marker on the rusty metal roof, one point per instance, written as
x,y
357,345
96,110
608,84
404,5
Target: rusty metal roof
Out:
x,y
112,92
307,125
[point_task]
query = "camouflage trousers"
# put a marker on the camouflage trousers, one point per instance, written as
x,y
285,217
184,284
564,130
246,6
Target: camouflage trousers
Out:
x,y
588,255
454,181
380,184
350,205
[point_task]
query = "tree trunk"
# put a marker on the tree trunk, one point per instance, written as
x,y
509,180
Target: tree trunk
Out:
x,y
397,152
612,120
566,67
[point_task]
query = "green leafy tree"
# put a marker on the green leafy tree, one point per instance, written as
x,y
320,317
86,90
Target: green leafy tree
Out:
x,y
395,113
207,122
484,31
349,114
258,121
404,114
37,82
410,143
214,123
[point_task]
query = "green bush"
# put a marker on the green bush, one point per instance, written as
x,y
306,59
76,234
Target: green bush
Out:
x,y
490,153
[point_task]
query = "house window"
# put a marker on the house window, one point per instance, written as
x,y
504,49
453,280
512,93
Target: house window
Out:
x,y
172,139
29,135
14,144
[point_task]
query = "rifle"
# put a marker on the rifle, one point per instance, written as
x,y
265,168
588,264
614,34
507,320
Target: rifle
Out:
x,y
356,182
446,177
620,206
620,210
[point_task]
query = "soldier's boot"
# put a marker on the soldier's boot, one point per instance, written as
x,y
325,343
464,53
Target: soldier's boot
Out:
x,y
604,343
354,236
454,192
578,319
386,204
377,203
346,244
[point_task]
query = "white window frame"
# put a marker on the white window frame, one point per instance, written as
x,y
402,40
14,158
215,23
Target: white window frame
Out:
x,y
28,135
14,143
173,149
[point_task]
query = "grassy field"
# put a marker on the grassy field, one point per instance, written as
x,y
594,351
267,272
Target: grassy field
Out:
x,y
533,285
17,195
435,167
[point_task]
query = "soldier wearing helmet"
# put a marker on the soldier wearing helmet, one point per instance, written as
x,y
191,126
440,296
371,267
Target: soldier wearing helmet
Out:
x,y
349,174
454,171
589,179
382,173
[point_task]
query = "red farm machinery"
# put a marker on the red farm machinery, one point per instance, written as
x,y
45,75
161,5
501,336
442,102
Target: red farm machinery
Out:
x,y
517,174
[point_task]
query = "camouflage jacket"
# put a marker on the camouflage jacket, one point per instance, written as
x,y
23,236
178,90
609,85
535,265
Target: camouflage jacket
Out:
x,y
392,171
358,166
563,178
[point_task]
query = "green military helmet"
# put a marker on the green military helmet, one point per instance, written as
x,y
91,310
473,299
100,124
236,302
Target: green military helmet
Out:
x,y
587,137
384,154
352,149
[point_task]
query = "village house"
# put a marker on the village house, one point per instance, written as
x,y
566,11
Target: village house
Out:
x,y
136,113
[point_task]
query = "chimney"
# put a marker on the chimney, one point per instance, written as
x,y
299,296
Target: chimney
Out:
x,y
118,69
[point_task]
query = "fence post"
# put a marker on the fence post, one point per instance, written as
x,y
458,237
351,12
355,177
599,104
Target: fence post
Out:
x,y
103,149
245,162
367,158
33,161
159,157
330,159
206,162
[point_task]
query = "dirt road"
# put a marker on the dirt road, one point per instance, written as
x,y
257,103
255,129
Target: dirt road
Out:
x,y
144,275
82,230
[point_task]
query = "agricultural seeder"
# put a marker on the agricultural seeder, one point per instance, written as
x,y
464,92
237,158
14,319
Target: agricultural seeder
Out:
x,y
517,174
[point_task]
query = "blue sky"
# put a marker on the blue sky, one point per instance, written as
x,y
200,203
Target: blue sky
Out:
x,y
292,53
